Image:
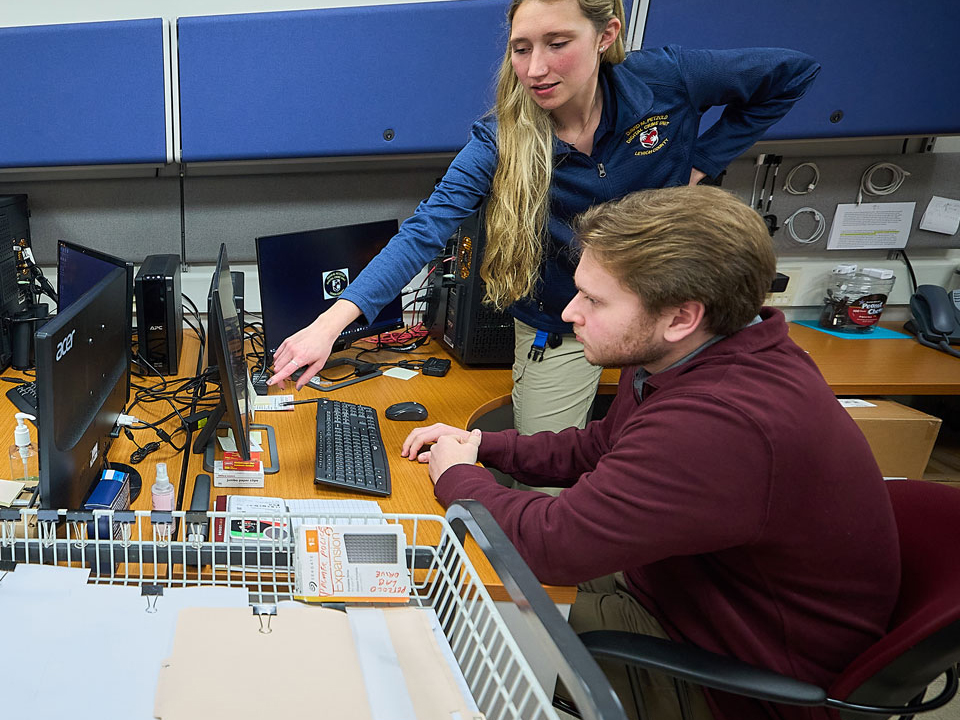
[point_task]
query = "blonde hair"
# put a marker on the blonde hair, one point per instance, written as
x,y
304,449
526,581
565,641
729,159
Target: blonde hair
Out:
x,y
516,217
685,243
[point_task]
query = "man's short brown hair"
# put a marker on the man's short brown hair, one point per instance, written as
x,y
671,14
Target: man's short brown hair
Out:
x,y
678,244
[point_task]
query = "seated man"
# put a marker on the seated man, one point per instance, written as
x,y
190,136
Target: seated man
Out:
x,y
736,500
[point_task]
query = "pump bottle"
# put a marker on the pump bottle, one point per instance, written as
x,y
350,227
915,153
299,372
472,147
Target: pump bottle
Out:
x,y
162,491
24,458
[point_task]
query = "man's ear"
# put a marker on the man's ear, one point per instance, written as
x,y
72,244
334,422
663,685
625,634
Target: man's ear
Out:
x,y
684,320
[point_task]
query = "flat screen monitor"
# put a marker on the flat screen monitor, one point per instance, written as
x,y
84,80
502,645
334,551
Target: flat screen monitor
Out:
x,y
225,352
79,268
303,273
83,371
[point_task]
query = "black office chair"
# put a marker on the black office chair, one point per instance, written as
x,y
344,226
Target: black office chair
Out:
x,y
889,678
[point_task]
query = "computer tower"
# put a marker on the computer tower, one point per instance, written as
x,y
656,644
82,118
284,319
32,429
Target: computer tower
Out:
x,y
14,230
159,313
473,332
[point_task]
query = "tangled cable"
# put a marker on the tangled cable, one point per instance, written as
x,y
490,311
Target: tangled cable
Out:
x,y
788,181
817,233
868,187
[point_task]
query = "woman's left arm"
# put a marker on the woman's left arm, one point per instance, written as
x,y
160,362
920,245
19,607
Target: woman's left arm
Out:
x,y
758,87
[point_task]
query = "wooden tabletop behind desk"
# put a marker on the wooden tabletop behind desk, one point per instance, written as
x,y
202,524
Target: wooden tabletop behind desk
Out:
x,y
871,366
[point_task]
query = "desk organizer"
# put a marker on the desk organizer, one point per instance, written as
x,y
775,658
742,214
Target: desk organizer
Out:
x,y
442,577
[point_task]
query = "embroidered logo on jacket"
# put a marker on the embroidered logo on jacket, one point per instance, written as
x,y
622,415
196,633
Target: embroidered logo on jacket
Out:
x,y
650,133
649,138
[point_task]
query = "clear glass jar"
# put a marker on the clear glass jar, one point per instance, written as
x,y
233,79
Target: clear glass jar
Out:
x,y
855,299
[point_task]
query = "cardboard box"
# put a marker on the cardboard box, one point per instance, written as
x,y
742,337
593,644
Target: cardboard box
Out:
x,y
223,477
901,438
351,563
111,493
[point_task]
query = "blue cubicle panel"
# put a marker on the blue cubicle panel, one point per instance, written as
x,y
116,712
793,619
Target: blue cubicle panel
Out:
x,y
889,67
404,78
82,94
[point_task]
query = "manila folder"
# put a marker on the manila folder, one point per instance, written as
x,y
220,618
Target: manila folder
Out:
x,y
222,665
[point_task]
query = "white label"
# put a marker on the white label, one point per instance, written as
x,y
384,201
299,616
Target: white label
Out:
x,y
854,402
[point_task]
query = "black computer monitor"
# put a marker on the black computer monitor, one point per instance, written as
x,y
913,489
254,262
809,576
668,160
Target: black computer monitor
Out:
x,y
79,268
83,370
225,352
303,273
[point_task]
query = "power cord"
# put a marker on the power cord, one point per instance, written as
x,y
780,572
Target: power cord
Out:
x,y
191,306
818,231
913,275
811,184
253,334
137,456
868,187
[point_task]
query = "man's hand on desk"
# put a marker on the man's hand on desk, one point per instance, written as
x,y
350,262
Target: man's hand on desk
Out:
x,y
450,446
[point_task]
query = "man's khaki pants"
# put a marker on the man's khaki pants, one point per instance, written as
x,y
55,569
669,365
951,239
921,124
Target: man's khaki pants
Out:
x,y
605,604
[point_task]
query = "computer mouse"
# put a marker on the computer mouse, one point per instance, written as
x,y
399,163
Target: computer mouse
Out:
x,y
406,411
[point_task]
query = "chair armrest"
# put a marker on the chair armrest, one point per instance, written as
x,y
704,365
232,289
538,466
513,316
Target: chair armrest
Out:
x,y
701,667
580,673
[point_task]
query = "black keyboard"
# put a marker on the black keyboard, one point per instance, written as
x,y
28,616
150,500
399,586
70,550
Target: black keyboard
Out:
x,y
350,452
24,397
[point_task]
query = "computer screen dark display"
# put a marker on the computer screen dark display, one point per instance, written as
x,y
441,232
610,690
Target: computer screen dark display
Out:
x,y
225,352
303,273
79,268
83,370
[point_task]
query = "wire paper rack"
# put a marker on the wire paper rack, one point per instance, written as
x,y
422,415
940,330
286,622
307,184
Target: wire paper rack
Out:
x,y
145,549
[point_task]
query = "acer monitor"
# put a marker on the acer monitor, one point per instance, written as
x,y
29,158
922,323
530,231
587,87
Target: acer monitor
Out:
x,y
83,371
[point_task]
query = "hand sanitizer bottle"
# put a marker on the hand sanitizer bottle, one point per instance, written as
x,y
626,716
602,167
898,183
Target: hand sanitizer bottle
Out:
x,y
163,494
24,458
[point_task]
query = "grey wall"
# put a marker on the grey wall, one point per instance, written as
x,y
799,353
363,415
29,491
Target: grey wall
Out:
x,y
235,210
930,174
136,217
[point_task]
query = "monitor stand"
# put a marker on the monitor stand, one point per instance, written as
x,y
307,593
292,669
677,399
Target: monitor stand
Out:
x,y
210,449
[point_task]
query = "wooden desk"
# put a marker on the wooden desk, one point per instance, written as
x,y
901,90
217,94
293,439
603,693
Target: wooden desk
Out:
x,y
868,366
452,399
855,367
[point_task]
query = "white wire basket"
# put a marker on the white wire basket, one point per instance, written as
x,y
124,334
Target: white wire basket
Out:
x,y
147,550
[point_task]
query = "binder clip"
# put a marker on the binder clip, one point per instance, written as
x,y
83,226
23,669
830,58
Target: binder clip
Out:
x,y
264,611
151,593
47,526
6,566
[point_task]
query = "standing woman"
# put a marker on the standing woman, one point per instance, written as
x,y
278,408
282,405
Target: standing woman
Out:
x,y
577,122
